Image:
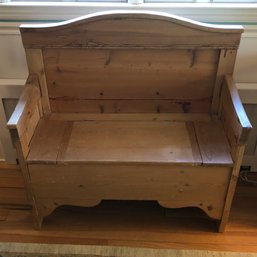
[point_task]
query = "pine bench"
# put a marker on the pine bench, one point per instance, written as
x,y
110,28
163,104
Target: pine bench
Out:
x,y
129,105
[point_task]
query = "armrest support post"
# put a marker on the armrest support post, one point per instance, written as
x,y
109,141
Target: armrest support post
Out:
x,y
232,114
27,113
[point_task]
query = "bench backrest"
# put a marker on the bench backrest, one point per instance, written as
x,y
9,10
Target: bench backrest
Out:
x,y
130,62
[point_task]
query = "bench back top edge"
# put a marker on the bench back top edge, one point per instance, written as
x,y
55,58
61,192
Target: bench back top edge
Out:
x,y
102,61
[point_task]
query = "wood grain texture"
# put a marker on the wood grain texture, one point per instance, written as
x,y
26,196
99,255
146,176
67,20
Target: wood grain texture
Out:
x,y
11,178
67,105
13,196
123,140
235,121
141,142
131,117
203,187
133,63
110,141
12,189
26,114
26,105
139,224
47,141
130,29
226,65
175,75
213,144
231,187
35,64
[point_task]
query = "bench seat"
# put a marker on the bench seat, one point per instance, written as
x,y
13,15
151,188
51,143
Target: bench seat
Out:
x,y
130,141
130,105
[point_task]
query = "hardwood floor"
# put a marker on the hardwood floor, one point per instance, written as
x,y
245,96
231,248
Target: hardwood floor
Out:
x,y
138,224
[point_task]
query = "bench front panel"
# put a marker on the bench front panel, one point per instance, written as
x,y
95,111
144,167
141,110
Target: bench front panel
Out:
x,y
179,186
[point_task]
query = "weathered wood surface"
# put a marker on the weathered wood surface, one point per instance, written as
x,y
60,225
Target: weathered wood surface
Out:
x,y
141,225
235,121
27,113
138,29
67,105
83,80
36,66
186,117
131,117
142,142
203,187
98,75
47,141
12,191
226,65
213,144
130,141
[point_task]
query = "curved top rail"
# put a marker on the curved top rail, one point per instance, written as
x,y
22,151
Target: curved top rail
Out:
x,y
96,30
139,15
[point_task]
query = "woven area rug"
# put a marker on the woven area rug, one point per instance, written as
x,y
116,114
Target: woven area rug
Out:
x,y
54,250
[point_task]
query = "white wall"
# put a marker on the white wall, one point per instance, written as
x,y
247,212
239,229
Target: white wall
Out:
x,y
13,70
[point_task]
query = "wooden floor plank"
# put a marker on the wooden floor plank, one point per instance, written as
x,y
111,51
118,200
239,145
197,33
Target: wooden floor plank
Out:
x,y
140,224
11,178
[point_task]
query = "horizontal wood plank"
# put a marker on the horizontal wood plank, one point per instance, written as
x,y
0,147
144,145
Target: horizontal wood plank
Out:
x,y
46,141
203,187
176,80
13,196
11,178
60,105
130,28
213,144
154,142
131,117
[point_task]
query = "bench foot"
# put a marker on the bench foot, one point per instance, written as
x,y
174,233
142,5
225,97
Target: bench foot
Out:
x,y
211,210
42,211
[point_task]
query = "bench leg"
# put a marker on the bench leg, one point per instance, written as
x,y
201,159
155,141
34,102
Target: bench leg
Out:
x,y
40,211
231,188
37,219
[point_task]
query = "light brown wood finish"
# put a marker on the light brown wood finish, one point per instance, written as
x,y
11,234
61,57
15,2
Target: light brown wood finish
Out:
x,y
104,72
26,114
213,143
141,142
62,105
187,117
12,191
134,141
141,80
235,121
231,187
139,224
47,141
202,187
226,65
121,29
36,66
237,128
30,195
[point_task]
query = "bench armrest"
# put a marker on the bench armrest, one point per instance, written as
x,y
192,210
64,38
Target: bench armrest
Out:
x,y
235,121
27,113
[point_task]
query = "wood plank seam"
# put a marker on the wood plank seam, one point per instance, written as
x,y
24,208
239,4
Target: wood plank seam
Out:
x,y
107,81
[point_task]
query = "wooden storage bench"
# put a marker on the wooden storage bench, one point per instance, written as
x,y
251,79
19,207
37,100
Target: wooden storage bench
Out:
x,y
130,106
